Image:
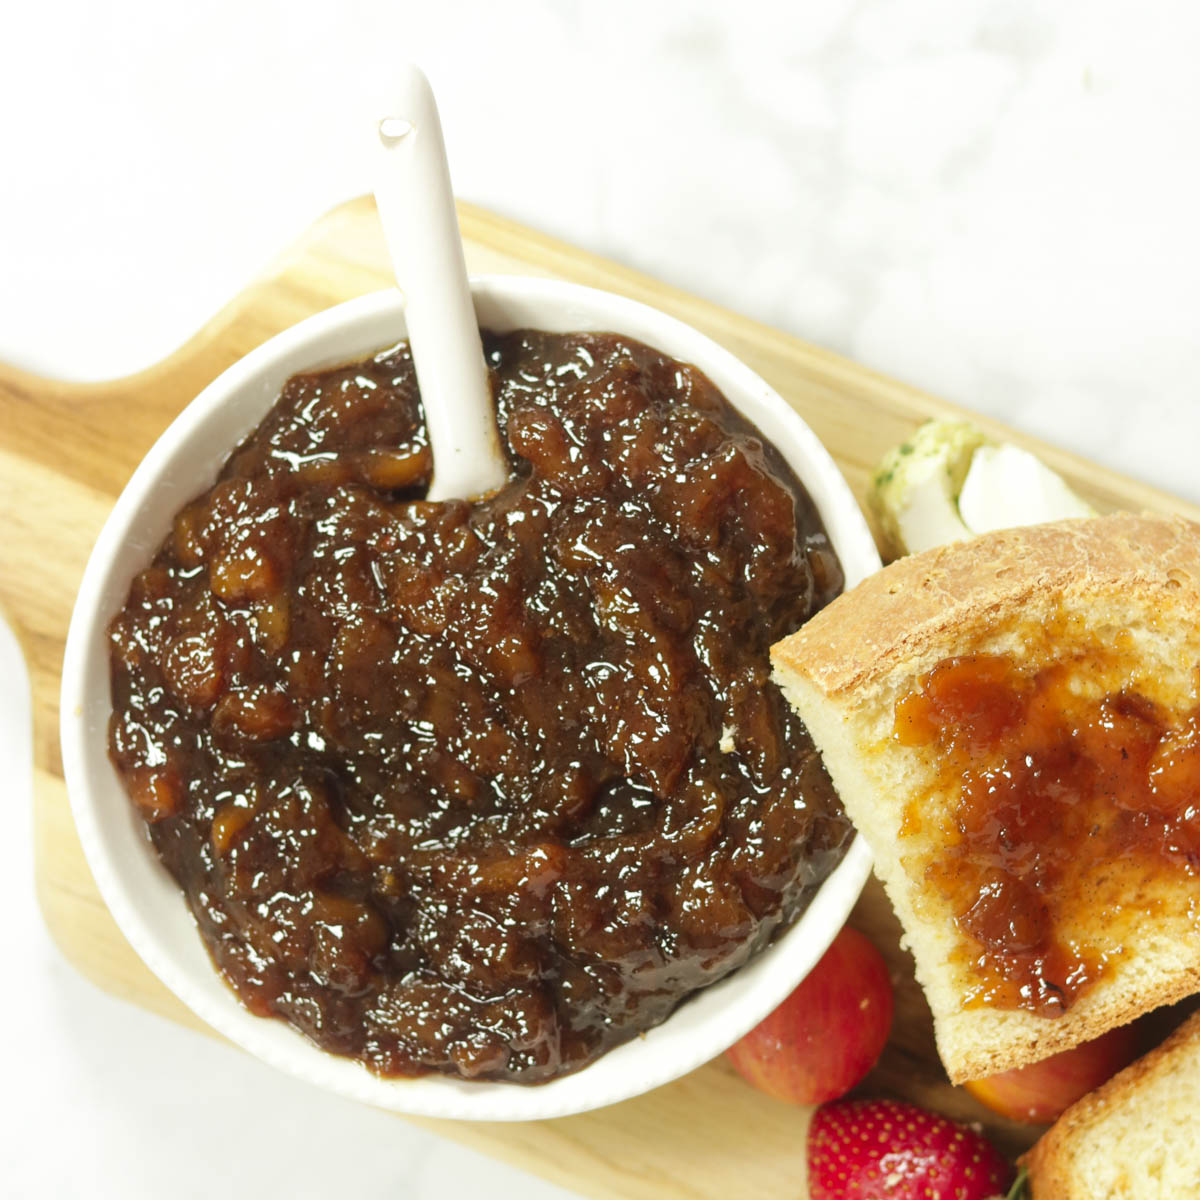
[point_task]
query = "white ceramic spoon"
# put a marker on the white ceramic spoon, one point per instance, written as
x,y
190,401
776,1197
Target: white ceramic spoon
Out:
x,y
416,206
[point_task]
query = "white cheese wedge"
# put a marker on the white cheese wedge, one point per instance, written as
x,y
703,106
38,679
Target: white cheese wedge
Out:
x,y
1008,486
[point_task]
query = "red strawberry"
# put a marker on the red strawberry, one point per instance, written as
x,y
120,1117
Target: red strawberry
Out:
x,y
886,1150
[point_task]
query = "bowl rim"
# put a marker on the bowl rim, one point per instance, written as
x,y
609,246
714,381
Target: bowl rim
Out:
x,y
719,1014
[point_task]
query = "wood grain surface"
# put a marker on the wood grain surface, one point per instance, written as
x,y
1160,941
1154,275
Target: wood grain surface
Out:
x,y
66,450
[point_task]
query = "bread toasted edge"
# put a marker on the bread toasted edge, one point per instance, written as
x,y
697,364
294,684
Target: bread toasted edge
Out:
x,y
1052,1166
894,615
976,1043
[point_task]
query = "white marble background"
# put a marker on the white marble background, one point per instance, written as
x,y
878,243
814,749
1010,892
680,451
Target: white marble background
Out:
x,y
996,200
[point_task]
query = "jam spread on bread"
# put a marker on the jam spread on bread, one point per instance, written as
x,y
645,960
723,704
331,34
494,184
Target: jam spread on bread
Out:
x,y
489,788
1061,806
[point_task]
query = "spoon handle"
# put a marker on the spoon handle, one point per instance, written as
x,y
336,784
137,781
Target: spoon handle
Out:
x,y
420,224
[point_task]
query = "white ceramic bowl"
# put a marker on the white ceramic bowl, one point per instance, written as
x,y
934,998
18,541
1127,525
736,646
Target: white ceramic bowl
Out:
x,y
146,901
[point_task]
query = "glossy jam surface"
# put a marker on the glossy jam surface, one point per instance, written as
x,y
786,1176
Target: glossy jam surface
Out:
x,y
482,789
1075,805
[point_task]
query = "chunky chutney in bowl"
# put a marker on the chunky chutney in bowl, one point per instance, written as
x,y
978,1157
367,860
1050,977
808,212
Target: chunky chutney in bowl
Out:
x,y
482,788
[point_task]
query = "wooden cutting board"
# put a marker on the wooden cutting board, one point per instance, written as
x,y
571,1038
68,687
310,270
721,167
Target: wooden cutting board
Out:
x,y
66,450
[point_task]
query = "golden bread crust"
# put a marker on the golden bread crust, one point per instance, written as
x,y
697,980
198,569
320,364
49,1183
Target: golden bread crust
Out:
x,y
894,615
1083,1022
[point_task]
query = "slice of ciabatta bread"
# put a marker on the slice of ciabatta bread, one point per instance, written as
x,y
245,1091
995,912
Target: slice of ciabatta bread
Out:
x,y
1132,1139
1115,602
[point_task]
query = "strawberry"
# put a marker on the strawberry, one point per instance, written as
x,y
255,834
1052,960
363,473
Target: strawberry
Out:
x,y
886,1150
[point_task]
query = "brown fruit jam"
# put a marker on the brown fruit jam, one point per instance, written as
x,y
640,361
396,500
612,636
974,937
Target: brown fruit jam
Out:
x,y
486,788
1074,807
